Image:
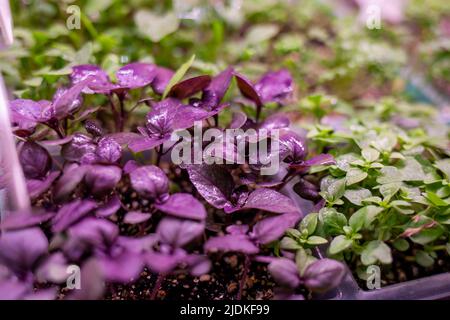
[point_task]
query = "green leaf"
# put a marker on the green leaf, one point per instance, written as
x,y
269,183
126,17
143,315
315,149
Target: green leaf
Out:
x,y
315,240
47,71
84,55
339,244
428,235
370,154
309,223
412,171
343,162
33,82
355,175
370,212
178,75
355,196
303,260
388,190
333,189
401,206
332,220
396,155
376,165
389,174
401,244
436,200
294,233
385,142
289,244
261,33
357,220
424,259
374,251
156,26
447,247
444,166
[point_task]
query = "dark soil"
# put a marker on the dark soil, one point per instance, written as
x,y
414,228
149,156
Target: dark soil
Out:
x,y
222,283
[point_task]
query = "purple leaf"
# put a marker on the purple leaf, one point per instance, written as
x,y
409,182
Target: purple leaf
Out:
x,y
275,121
136,217
92,280
80,146
282,294
124,267
108,150
189,87
164,262
140,144
110,208
35,160
214,93
273,228
307,190
56,142
213,182
130,166
139,245
150,182
270,200
71,213
183,205
285,272
20,220
102,179
136,75
275,86
123,138
231,243
293,147
162,78
37,187
97,232
198,264
67,100
13,289
324,275
247,89
19,250
320,160
53,269
237,229
72,175
178,233
167,116
99,78
238,120
27,113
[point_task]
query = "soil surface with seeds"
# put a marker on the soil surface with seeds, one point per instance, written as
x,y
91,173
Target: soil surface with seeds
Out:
x,y
405,268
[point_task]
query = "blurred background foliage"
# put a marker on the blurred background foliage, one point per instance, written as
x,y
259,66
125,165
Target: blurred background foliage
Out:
x,y
324,44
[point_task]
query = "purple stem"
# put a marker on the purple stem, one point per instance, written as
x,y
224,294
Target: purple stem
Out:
x,y
123,114
157,285
244,277
160,153
115,113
